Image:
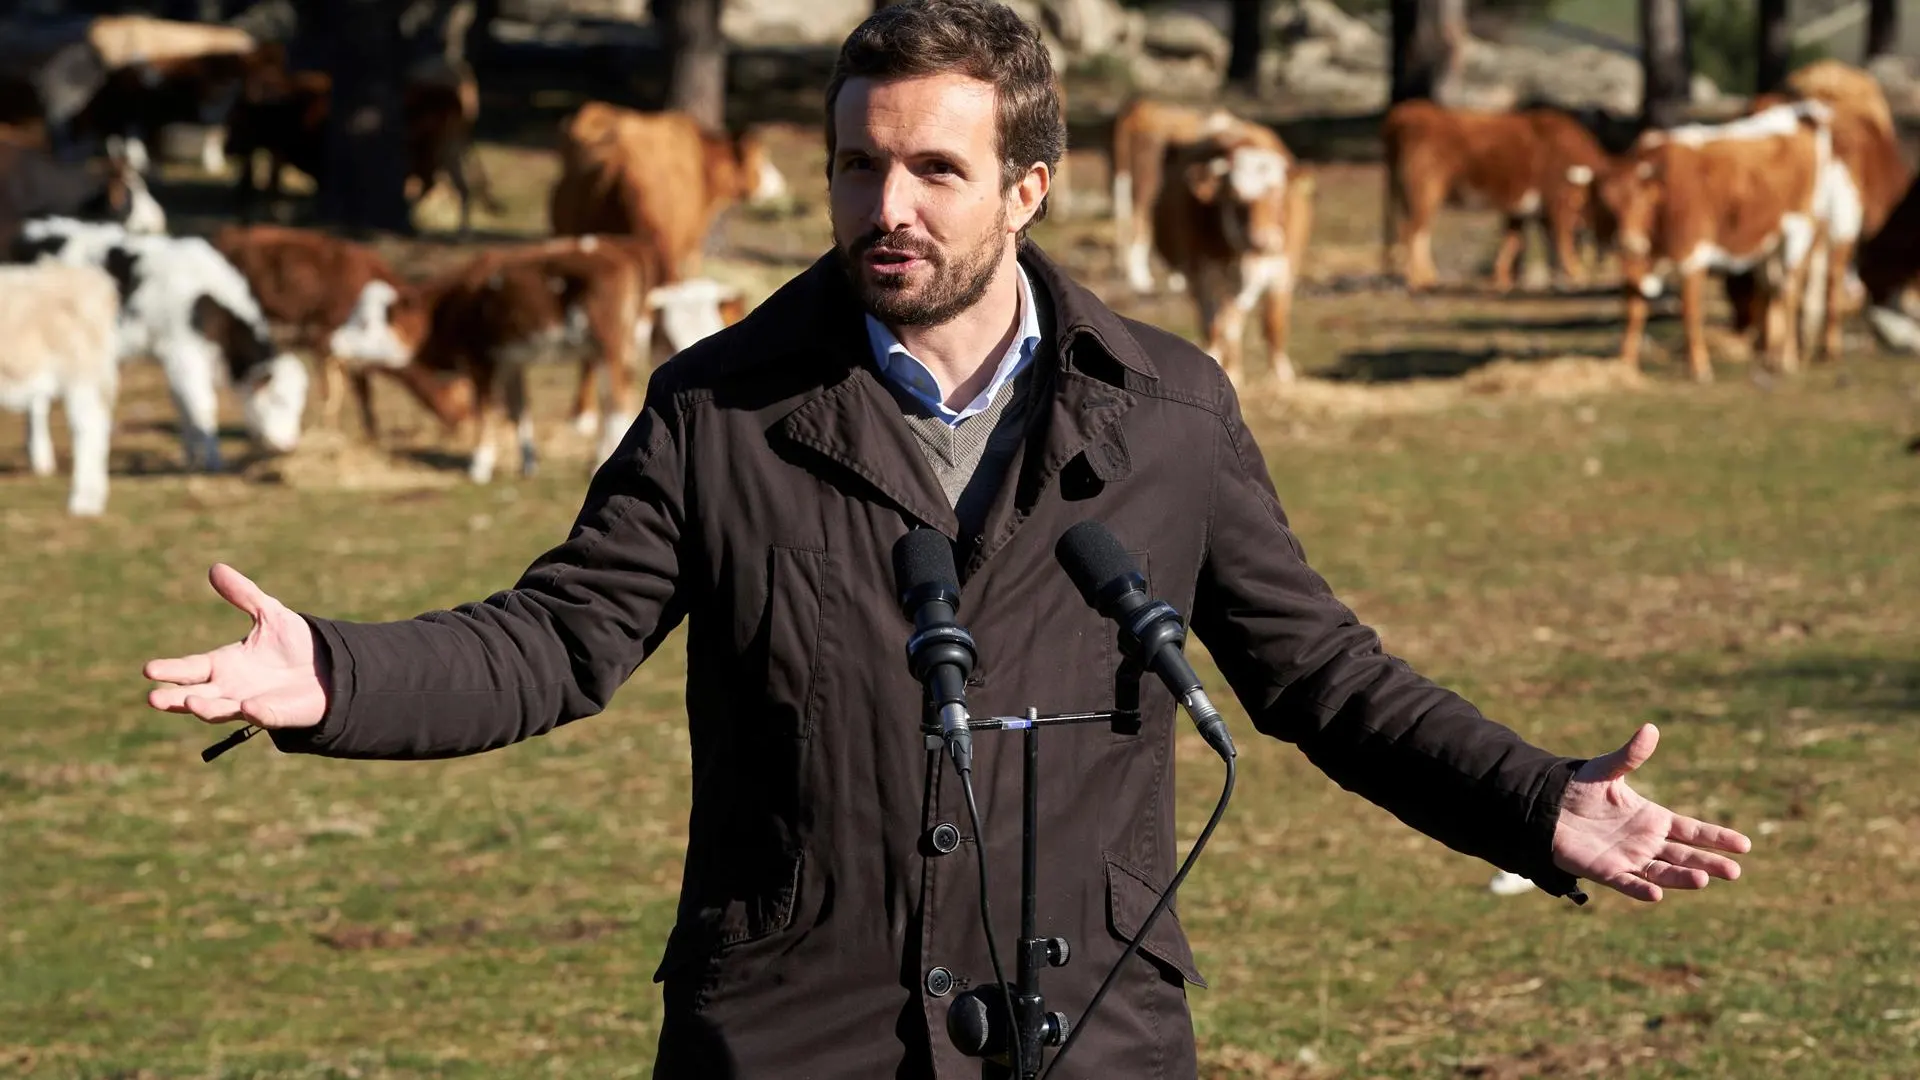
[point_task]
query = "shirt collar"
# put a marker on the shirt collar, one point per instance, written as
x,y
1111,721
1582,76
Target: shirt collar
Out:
x,y
904,370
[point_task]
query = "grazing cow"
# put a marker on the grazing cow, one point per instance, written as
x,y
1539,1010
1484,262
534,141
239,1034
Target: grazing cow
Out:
x,y
60,343
1740,196
1142,134
186,306
284,113
491,318
656,175
1533,165
33,184
309,282
1233,217
1889,266
139,101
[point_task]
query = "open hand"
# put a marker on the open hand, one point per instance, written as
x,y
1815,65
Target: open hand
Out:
x,y
267,678
1611,834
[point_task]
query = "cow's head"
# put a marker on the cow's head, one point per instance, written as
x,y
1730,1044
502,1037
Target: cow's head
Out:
x,y
1627,195
272,385
123,198
740,168
1246,182
385,329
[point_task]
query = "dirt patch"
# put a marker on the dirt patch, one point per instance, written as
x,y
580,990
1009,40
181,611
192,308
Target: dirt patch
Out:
x,y
1531,380
330,461
352,937
1597,1058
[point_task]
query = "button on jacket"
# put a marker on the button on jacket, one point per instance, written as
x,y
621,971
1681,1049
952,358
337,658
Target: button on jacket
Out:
x,y
821,932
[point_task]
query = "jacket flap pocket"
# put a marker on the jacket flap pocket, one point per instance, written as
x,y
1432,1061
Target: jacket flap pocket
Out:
x,y
1130,899
747,915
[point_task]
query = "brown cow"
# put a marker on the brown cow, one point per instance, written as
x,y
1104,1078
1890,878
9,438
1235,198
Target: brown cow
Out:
x,y
656,175
1142,134
1529,165
1889,266
1718,198
308,283
1233,217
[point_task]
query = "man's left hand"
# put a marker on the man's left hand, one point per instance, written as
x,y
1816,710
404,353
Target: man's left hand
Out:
x,y
1611,834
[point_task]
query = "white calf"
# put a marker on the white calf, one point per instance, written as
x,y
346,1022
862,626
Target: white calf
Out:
x,y
187,307
58,326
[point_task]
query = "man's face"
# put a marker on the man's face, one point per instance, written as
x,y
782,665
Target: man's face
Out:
x,y
919,216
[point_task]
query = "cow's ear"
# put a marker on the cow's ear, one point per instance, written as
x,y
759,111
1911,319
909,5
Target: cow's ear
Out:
x,y
1579,175
1203,177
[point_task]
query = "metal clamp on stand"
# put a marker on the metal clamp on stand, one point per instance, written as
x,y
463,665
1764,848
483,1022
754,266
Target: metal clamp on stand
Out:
x,y
977,1020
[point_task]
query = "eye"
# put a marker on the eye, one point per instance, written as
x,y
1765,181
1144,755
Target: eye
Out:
x,y
937,167
855,162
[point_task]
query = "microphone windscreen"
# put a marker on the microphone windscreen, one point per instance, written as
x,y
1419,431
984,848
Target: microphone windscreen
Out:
x,y
1092,556
923,557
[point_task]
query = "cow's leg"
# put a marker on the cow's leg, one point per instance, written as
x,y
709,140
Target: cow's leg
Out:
x,y
1423,199
89,408
586,418
614,321
487,384
1636,326
1692,307
1511,244
362,382
1279,311
1573,270
40,436
1145,187
1835,285
1792,298
514,396
333,387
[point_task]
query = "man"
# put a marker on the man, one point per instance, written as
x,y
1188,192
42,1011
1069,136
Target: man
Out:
x,y
935,371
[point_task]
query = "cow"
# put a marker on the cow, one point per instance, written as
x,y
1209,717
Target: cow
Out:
x,y
1531,165
35,184
188,308
1143,132
59,321
659,175
1740,196
308,283
488,320
283,113
1233,215
1889,265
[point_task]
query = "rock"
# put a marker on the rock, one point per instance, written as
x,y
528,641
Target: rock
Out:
x,y
1181,35
1349,41
782,22
1897,79
1092,27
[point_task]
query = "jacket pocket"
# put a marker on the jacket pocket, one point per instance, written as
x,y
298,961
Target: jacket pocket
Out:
x,y
1130,899
716,926
795,577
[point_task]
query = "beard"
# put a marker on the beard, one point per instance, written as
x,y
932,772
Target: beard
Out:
x,y
950,283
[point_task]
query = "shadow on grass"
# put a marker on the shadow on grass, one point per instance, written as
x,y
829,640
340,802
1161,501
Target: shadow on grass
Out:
x,y
1884,687
1422,362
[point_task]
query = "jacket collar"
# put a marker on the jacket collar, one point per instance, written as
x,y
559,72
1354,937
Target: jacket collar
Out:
x,y
851,419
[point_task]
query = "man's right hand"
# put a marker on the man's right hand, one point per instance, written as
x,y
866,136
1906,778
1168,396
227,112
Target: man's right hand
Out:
x,y
268,678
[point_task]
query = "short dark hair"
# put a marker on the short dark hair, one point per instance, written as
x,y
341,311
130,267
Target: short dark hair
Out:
x,y
981,39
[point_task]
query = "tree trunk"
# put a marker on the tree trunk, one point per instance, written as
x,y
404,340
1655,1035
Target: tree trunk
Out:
x,y
1425,36
696,59
365,183
1774,46
1664,62
1883,27
1249,27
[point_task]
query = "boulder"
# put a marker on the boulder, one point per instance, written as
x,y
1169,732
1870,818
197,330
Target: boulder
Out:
x,y
784,23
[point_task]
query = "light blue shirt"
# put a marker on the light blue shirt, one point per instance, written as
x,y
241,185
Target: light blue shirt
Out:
x,y
904,370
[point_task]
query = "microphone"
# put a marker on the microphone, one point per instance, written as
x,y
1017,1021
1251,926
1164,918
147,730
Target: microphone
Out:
x,y
940,652
1151,632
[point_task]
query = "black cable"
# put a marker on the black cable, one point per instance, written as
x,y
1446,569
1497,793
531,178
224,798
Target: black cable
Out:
x,y
986,920
1166,898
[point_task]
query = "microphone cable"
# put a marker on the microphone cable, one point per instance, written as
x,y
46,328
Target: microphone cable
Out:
x,y
986,921
1166,898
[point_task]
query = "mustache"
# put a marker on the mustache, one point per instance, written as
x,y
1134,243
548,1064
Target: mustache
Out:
x,y
898,240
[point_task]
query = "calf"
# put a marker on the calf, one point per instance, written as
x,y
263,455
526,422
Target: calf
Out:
x,y
309,282
188,308
1531,166
490,319
1744,197
1143,132
656,175
1234,217
59,326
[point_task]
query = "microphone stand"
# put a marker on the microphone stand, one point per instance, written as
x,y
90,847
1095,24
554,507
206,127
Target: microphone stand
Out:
x,y
977,1019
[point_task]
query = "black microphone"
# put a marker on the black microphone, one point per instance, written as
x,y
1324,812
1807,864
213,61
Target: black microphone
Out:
x,y
940,653
1151,632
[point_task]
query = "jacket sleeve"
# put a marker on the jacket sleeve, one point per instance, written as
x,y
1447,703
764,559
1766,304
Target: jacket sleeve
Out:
x,y
552,649
1310,673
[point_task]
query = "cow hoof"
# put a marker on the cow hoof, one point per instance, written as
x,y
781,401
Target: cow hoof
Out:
x,y
587,423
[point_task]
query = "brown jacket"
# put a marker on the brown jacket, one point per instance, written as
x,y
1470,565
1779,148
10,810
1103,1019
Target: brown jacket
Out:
x,y
757,498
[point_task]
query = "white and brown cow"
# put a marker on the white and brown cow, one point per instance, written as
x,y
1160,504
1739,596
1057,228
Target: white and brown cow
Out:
x,y
1233,217
1143,132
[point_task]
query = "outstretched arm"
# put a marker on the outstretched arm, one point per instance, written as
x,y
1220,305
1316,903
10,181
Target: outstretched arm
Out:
x,y
552,649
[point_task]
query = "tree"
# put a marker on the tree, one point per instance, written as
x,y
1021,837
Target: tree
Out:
x,y
1426,36
1773,47
1663,52
696,58
1883,27
1249,26
366,155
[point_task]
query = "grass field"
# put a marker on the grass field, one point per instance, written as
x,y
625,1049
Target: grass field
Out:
x,y
1576,553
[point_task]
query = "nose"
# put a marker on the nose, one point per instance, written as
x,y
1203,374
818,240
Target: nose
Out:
x,y
894,206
